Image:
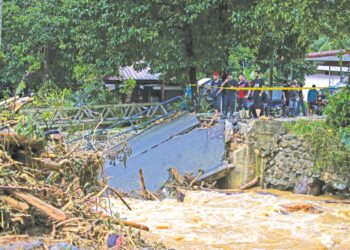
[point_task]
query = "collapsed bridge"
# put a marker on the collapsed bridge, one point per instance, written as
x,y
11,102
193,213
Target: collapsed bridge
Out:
x,y
174,139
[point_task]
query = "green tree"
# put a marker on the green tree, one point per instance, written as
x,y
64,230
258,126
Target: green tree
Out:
x,y
74,42
33,43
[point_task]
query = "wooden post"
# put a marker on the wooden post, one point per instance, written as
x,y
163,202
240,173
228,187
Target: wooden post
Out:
x,y
162,91
142,183
177,176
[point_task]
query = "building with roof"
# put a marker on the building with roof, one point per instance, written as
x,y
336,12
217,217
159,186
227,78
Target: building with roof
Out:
x,y
331,69
333,62
330,58
150,87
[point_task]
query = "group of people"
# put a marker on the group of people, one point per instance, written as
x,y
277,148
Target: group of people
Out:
x,y
226,94
224,98
294,99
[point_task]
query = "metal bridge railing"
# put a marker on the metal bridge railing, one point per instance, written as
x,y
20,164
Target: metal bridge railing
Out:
x,y
137,121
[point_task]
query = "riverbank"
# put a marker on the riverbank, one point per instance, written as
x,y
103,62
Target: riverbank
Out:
x,y
267,150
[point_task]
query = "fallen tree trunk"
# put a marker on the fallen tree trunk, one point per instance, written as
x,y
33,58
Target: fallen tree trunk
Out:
x,y
20,206
47,163
48,209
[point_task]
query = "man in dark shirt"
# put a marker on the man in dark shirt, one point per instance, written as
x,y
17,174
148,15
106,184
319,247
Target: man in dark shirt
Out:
x,y
265,99
257,94
229,95
286,93
293,99
215,87
301,99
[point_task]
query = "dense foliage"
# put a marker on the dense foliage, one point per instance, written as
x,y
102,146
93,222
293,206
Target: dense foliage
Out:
x,y
338,109
70,43
330,139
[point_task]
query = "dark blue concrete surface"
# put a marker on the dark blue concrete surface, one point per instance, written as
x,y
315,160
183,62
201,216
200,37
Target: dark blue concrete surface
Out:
x,y
160,133
167,145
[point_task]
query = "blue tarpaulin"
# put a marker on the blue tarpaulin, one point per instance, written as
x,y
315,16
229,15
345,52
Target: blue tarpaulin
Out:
x,y
177,143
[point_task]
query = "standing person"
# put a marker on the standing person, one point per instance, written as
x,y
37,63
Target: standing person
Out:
x,y
215,87
285,97
293,100
242,94
229,95
297,104
311,99
257,94
286,93
301,100
249,101
265,100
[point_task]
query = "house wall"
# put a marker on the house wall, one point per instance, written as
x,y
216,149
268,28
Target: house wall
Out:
x,y
147,93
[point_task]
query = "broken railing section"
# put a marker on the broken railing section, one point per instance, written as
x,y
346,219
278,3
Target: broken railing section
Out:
x,y
89,115
135,122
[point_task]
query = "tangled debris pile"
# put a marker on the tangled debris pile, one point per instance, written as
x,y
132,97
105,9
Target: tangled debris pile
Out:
x,y
52,193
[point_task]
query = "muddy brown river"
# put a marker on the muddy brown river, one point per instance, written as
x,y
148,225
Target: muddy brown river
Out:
x,y
255,219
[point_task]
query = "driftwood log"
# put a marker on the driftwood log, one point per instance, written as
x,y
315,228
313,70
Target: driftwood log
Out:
x,y
251,184
177,176
18,205
48,209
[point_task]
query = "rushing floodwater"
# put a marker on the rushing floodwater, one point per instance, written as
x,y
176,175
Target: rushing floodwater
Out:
x,y
249,220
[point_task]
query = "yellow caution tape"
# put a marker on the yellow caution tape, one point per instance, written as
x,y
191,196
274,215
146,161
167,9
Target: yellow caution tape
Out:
x,y
260,88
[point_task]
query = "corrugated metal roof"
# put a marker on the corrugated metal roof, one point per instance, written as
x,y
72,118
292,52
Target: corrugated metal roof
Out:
x,y
327,53
346,58
129,72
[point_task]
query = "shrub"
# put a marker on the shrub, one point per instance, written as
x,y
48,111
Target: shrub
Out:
x,y
327,148
338,109
330,139
95,93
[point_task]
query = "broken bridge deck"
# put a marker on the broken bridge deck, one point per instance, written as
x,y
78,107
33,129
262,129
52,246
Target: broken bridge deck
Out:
x,y
179,143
